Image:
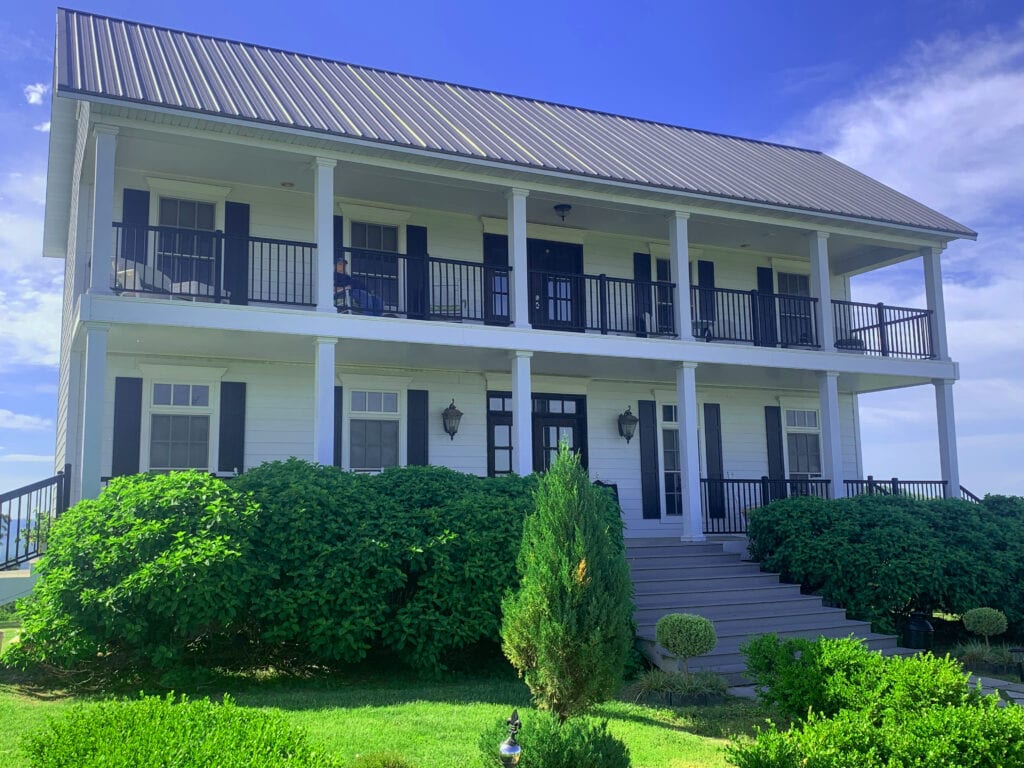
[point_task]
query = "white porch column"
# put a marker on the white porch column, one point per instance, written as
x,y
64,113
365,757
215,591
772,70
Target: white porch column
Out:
x,y
689,458
831,442
821,289
323,402
948,462
522,414
103,210
936,303
323,224
520,301
93,399
679,249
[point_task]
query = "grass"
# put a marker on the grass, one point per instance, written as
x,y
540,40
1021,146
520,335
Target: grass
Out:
x,y
432,724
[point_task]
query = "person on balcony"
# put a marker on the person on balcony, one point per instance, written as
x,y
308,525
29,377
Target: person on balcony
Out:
x,y
351,294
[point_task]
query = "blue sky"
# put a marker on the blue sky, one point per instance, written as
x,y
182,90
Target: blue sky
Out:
x,y
927,96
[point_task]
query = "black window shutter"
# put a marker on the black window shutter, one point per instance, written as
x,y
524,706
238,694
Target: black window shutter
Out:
x,y
417,283
417,453
127,426
706,281
339,237
497,279
776,463
231,453
135,218
764,325
339,415
236,252
649,459
642,299
714,458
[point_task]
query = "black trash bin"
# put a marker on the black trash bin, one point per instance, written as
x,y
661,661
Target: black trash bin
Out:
x,y
918,632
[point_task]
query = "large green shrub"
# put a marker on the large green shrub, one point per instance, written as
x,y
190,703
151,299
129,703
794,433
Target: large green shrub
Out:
x,y
881,557
547,742
685,635
154,731
154,573
568,629
825,676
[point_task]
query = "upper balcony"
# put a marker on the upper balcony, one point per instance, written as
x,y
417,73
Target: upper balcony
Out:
x,y
210,266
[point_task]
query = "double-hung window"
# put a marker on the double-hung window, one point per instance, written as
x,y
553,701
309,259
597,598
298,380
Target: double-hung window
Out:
x,y
374,419
179,426
803,443
796,310
374,266
186,239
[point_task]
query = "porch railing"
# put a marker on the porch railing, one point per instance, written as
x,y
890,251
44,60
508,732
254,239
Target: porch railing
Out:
x,y
26,514
212,266
919,489
762,319
883,331
725,503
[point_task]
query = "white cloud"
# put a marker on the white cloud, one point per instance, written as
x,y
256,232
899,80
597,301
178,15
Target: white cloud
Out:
x,y
21,421
17,188
947,127
27,458
34,93
42,127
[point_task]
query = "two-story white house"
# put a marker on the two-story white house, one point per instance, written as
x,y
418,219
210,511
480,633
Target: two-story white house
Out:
x,y
674,303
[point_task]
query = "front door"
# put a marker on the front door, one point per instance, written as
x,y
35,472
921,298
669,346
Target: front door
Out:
x,y
556,285
555,418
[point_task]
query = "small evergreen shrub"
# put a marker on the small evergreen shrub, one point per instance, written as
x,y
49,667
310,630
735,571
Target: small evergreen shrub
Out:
x,y
686,635
568,629
975,652
152,731
547,742
381,760
662,683
985,622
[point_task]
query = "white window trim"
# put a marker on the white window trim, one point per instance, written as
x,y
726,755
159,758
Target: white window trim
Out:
x,y
361,382
178,374
187,190
798,405
660,426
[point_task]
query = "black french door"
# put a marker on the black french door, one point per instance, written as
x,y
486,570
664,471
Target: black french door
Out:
x,y
556,285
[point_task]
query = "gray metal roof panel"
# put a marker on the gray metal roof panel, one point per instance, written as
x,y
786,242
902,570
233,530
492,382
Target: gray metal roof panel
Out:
x,y
140,63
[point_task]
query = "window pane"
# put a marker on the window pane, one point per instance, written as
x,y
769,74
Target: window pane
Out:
x,y
389,238
373,237
161,428
182,395
159,455
390,402
495,404
502,435
179,428
373,402
554,406
168,212
389,444
359,401
179,456
199,429
204,216
358,235
357,443
161,394
812,419
197,453
503,461
668,413
200,395
569,406
187,214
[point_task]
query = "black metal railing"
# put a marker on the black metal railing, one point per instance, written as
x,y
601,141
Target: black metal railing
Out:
x,y
762,319
919,489
725,503
966,495
883,331
623,306
26,514
212,266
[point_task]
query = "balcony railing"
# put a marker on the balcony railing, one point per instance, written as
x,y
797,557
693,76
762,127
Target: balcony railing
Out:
x,y
880,330
26,514
918,489
725,503
762,319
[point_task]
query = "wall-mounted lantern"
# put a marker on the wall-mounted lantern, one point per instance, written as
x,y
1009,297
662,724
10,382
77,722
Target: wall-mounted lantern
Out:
x,y
451,416
627,424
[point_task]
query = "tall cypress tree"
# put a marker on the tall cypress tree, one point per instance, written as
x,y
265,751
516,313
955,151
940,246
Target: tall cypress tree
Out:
x,y
569,629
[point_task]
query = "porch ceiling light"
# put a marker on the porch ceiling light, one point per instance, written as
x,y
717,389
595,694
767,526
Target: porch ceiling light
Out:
x,y
627,424
562,209
451,416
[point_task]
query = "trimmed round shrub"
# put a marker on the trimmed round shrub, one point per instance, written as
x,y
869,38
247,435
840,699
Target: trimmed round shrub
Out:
x,y
153,574
685,635
580,742
985,621
163,731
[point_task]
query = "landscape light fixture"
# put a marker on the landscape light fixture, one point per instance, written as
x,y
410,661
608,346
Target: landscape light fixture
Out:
x,y
627,424
509,750
451,416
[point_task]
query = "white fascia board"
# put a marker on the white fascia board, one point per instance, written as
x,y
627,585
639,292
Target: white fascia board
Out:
x,y
686,199
60,176
226,317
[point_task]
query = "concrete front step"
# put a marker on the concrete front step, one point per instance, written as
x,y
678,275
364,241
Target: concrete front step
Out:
x,y
685,566
647,584
672,555
807,623
720,613
769,593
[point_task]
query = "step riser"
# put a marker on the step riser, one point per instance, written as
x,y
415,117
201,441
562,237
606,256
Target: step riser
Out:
x,y
758,596
722,613
674,556
779,624
653,585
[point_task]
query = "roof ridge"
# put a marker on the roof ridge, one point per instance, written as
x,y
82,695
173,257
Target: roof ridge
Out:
x,y
438,81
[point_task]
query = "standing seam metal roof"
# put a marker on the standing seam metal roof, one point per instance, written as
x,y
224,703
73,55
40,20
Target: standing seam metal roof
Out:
x,y
123,60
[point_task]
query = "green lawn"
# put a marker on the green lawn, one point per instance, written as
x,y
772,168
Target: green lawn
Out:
x,y
433,724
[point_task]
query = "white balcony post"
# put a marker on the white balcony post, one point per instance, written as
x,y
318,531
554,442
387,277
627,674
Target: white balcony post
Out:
x,y
947,436
323,402
821,289
689,458
323,223
520,299
936,303
522,414
831,440
94,399
679,247
103,210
